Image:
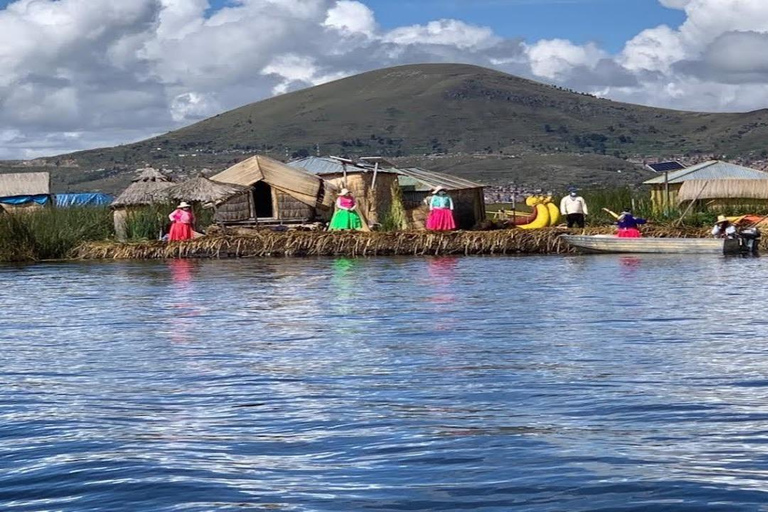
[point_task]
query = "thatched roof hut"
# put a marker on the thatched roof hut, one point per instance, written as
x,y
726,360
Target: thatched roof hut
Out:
x,y
201,190
144,189
23,190
276,193
141,193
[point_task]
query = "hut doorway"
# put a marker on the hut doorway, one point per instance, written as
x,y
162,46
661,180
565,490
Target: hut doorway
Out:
x,y
262,200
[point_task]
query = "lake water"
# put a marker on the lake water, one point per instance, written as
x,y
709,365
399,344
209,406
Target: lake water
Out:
x,y
595,383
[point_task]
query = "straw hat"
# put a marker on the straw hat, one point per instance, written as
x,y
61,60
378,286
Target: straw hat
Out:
x,y
721,219
438,189
184,204
344,192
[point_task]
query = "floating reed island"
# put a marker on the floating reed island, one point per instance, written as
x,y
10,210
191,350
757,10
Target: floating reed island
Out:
x,y
266,243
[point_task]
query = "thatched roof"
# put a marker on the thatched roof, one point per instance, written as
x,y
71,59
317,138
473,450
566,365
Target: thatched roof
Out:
x,y
723,189
297,183
201,190
25,184
144,188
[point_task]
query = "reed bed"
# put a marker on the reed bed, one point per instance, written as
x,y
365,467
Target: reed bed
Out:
x,y
50,233
264,244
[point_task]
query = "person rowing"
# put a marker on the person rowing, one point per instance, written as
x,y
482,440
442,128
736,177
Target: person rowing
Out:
x,y
627,223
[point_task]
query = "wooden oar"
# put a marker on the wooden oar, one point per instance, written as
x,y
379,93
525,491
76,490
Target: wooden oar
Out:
x,y
677,223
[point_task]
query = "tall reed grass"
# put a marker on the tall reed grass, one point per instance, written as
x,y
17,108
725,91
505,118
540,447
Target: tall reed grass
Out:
x,y
50,233
151,222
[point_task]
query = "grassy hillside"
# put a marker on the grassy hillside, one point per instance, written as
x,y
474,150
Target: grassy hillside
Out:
x,y
435,109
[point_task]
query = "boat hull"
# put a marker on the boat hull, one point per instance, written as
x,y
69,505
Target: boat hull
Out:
x,y
614,244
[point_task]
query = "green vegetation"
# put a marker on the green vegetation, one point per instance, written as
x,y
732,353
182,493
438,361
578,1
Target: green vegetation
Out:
x,y
51,233
616,199
54,233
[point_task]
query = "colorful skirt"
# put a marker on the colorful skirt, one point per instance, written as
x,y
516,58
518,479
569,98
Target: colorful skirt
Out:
x,y
180,231
441,219
629,233
344,220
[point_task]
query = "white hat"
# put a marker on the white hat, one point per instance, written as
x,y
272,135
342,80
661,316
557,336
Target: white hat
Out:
x,y
184,204
438,189
721,218
344,192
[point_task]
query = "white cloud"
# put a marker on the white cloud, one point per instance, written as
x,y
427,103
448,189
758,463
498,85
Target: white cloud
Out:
x,y
82,73
554,58
352,17
444,32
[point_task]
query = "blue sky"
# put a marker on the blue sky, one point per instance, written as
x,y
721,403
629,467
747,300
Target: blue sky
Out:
x,y
608,22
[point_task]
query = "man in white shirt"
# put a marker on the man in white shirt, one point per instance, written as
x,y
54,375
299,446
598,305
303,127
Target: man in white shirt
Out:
x,y
574,209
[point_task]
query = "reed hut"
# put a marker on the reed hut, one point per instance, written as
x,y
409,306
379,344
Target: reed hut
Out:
x,y
666,188
417,184
24,191
143,191
376,190
725,194
275,193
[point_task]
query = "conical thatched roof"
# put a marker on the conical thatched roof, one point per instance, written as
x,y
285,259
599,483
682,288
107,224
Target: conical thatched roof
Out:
x,y
201,190
143,190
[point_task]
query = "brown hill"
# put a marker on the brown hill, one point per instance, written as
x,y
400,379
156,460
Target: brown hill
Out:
x,y
443,109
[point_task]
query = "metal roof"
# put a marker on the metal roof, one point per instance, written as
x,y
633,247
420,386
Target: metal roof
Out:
x,y
412,176
436,179
712,170
324,165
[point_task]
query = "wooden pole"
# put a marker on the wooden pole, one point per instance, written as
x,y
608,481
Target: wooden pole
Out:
x,y
677,223
666,192
375,174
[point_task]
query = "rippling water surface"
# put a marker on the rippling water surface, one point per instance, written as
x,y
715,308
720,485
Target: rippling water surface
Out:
x,y
546,384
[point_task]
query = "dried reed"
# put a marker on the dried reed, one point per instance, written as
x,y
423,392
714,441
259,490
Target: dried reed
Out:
x,y
301,243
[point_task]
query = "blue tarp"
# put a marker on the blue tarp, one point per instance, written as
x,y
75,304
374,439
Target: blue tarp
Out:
x,y
84,199
17,200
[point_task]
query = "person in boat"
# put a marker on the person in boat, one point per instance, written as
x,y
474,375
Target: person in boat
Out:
x,y
440,211
574,208
628,224
182,222
346,216
724,228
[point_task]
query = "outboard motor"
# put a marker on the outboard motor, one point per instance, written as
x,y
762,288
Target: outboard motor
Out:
x,y
749,239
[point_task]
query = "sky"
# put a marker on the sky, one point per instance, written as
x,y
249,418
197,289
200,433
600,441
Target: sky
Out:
x,y
79,74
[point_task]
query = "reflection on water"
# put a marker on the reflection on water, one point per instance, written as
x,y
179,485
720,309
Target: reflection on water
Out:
x,y
580,383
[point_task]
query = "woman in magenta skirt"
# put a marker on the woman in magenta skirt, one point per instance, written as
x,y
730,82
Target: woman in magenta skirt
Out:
x,y
440,211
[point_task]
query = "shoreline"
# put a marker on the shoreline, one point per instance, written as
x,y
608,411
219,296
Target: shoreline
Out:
x,y
299,244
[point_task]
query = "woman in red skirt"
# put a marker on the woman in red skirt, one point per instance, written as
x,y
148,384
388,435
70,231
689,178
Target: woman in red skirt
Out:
x,y
182,220
628,224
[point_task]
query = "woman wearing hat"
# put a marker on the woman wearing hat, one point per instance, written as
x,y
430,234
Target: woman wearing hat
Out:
x,y
346,216
628,224
723,228
182,220
440,211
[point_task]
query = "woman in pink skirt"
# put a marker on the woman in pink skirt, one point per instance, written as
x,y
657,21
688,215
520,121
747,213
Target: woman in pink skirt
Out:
x,y
182,222
440,211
